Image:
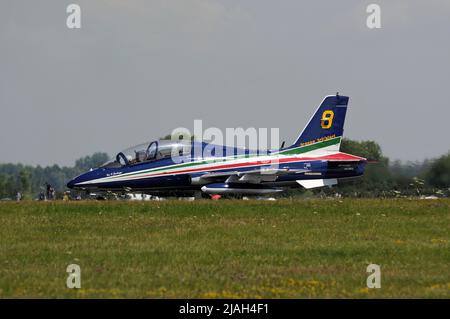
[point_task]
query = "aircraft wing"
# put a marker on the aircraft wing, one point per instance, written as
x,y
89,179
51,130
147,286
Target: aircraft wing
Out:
x,y
253,176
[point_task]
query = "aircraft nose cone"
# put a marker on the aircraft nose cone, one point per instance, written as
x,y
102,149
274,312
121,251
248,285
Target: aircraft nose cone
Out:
x,y
81,180
71,184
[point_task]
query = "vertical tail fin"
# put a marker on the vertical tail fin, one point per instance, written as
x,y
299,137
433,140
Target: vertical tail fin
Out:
x,y
327,122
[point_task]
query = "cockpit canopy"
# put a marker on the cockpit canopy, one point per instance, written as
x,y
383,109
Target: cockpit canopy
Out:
x,y
147,152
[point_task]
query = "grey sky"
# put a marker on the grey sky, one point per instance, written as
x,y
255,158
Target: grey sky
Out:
x,y
138,69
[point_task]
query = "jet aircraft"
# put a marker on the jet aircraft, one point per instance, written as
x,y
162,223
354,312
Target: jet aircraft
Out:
x,y
176,167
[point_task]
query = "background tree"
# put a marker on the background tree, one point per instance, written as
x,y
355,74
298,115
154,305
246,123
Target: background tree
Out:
x,y
3,189
25,183
439,173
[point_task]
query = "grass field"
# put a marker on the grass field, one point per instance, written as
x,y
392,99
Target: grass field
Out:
x,y
226,249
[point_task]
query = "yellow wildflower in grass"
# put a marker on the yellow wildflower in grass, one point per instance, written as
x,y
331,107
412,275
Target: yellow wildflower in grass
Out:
x,y
363,290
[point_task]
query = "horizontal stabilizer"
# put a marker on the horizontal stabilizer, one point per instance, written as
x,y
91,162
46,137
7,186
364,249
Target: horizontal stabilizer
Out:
x,y
312,183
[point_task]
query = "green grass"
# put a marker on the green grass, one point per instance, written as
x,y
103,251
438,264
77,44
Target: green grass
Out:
x,y
226,249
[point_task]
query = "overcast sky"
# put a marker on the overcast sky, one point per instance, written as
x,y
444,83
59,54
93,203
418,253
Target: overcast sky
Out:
x,y
137,69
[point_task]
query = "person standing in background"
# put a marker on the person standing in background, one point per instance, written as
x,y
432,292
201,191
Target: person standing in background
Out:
x,y
52,193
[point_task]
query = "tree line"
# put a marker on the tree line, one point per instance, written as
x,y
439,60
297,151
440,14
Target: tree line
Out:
x,y
382,177
32,180
385,178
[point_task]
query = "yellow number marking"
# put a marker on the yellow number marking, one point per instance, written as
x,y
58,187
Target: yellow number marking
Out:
x,y
327,119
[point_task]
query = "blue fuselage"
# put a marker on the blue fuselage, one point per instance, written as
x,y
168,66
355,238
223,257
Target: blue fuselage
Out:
x,y
160,174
